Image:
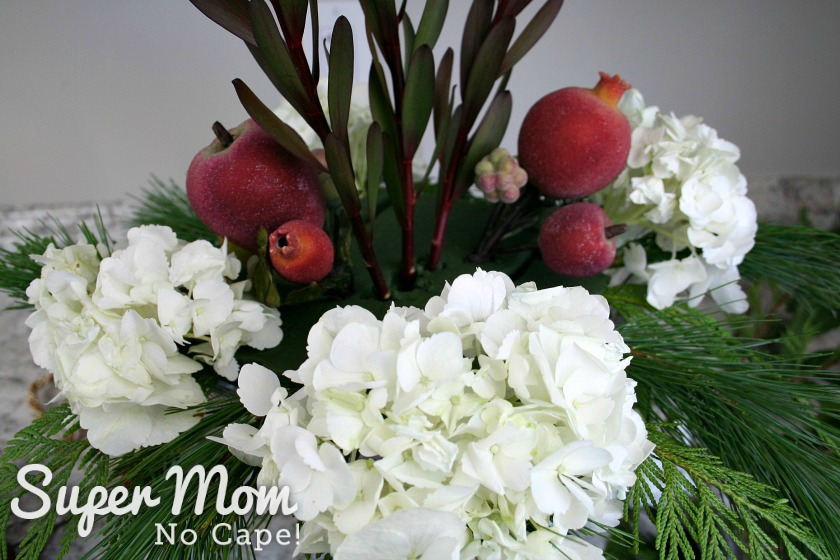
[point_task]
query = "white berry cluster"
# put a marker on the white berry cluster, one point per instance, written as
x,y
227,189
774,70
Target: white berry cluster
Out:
x,y
111,329
488,425
682,183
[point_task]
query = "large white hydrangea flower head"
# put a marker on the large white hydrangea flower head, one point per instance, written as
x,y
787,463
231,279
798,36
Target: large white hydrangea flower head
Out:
x,y
682,187
504,411
111,329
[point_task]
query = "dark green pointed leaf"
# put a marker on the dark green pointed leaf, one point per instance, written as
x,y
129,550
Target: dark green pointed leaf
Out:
x,y
485,71
431,22
274,57
375,162
532,33
292,16
341,77
316,43
271,123
385,28
487,137
380,103
230,14
515,7
417,101
442,107
475,31
392,176
408,39
341,171
455,124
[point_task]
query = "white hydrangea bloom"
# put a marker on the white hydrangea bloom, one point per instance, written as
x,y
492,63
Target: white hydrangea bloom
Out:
x,y
682,183
109,329
505,410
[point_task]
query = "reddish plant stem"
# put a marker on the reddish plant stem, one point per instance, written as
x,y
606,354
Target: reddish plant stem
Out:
x,y
447,198
369,255
408,272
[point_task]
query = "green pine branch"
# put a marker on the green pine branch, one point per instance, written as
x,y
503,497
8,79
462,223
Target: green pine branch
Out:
x,y
708,511
18,270
46,442
133,537
800,260
167,205
767,415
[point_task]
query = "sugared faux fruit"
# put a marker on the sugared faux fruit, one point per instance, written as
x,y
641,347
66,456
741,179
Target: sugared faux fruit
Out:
x,y
300,252
574,141
578,240
245,180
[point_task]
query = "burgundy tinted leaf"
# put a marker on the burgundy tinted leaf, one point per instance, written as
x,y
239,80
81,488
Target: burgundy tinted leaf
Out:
x,y
271,123
442,84
380,104
392,176
229,14
515,7
341,77
532,33
487,137
274,57
485,70
417,103
374,168
409,36
292,17
475,30
316,55
341,171
431,22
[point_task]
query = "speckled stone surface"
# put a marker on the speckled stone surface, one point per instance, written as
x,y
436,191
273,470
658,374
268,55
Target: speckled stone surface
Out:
x,y
778,199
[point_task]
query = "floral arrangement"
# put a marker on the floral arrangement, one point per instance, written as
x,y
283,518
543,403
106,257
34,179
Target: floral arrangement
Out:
x,y
535,384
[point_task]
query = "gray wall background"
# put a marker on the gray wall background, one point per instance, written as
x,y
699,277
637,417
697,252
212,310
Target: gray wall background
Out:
x,y
96,95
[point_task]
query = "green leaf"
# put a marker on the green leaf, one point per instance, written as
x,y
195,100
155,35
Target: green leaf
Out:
x,y
316,43
292,16
341,171
341,77
417,101
384,25
431,22
487,137
265,289
485,70
229,14
392,176
532,33
271,123
442,105
475,31
408,38
380,103
375,158
274,58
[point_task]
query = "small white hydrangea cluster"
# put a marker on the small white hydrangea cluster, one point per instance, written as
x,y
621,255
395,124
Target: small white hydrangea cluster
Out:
x,y
110,330
488,425
681,182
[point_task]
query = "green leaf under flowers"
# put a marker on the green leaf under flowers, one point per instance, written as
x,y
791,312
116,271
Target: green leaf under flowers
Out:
x,y
272,54
431,23
417,103
271,123
265,289
232,15
487,137
292,17
374,168
475,31
532,33
485,70
340,87
442,107
341,171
